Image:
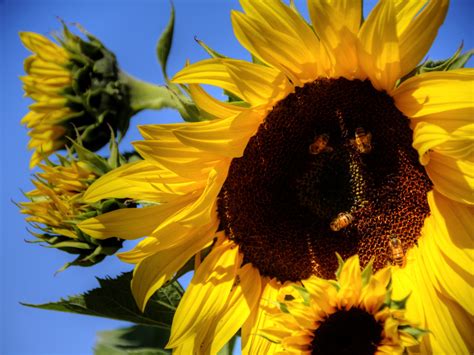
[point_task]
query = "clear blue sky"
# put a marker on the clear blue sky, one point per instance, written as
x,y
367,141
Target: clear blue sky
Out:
x,y
130,29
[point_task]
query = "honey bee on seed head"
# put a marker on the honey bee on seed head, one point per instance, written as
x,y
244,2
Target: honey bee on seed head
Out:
x,y
341,221
362,141
320,144
398,256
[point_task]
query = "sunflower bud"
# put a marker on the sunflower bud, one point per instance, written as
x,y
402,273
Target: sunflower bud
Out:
x,y
77,90
55,206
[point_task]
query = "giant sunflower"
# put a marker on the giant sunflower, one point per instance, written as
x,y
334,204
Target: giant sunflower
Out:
x,y
318,157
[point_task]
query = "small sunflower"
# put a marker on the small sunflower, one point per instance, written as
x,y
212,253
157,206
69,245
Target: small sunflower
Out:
x,y
353,315
77,93
314,155
55,207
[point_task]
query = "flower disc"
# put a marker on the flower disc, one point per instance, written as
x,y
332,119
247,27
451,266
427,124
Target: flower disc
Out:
x,y
347,332
306,166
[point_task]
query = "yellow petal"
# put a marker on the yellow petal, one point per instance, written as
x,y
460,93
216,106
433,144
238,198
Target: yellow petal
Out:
x,y
210,105
417,36
350,274
227,137
457,144
183,160
337,25
256,84
130,223
141,180
443,323
43,47
435,92
448,249
207,293
451,177
201,212
278,36
186,347
379,46
447,277
452,222
373,295
252,342
145,248
152,272
242,301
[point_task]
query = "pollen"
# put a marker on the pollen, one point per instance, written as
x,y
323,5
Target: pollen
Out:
x,y
331,169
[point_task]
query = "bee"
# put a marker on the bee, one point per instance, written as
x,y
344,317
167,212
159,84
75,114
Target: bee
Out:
x,y
362,141
398,256
320,144
341,221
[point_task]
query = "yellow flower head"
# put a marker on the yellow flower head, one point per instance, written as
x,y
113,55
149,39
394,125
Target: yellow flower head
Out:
x,y
56,206
353,315
322,148
76,92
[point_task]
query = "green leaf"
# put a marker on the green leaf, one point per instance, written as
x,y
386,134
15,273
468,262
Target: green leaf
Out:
x,y
137,340
164,43
114,299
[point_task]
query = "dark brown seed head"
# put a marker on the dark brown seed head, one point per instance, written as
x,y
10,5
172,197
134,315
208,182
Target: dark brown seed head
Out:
x,y
279,200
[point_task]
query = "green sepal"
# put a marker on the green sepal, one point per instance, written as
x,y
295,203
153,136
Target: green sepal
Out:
x,y
304,294
340,265
335,284
113,299
283,307
416,333
165,42
399,304
268,339
456,61
367,273
71,244
96,163
136,340
256,60
96,92
213,53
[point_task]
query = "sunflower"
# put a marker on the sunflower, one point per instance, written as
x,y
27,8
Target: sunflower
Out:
x,y
55,206
322,149
76,91
354,315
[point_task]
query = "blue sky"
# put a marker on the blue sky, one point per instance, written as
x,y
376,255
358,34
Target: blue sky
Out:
x,y
130,29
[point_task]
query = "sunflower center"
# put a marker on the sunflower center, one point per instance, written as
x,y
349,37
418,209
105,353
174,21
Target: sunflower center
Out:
x,y
347,332
331,169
